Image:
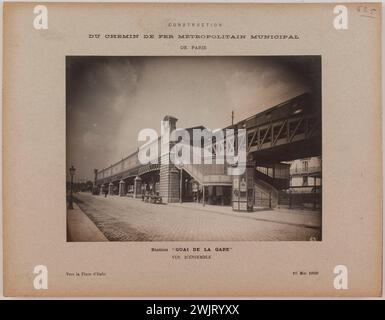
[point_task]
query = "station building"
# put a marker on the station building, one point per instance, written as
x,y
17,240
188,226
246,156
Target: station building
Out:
x,y
275,141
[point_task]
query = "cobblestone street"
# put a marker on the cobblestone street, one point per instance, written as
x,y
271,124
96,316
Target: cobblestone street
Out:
x,y
127,219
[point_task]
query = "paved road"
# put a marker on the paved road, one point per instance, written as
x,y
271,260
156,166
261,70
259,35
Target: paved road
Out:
x,y
127,219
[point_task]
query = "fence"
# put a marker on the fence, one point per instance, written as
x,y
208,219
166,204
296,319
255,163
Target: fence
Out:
x,y
301,197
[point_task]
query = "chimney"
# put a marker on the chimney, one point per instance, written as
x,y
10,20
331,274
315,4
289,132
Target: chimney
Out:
x,y
171,122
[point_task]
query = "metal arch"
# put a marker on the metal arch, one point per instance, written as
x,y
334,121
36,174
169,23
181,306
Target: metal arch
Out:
x,y
148,168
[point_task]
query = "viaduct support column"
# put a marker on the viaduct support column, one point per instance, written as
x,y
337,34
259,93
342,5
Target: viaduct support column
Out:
x,y
122,186
137,187
111,189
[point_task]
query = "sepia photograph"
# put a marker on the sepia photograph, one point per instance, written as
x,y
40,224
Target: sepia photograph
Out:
x,y
175,148
192,150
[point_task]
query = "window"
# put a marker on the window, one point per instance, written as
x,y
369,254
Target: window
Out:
x,y
305,166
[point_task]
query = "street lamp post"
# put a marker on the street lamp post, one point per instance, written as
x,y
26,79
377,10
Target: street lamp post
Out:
x,y
72,173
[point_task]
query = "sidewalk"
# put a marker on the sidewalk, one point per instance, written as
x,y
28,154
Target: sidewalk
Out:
x,y
302,218
81,228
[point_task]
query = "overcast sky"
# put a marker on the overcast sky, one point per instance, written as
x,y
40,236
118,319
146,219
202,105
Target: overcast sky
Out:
x,y
110,99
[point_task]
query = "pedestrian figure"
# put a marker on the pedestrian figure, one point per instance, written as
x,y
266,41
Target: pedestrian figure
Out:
x,y
105,193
